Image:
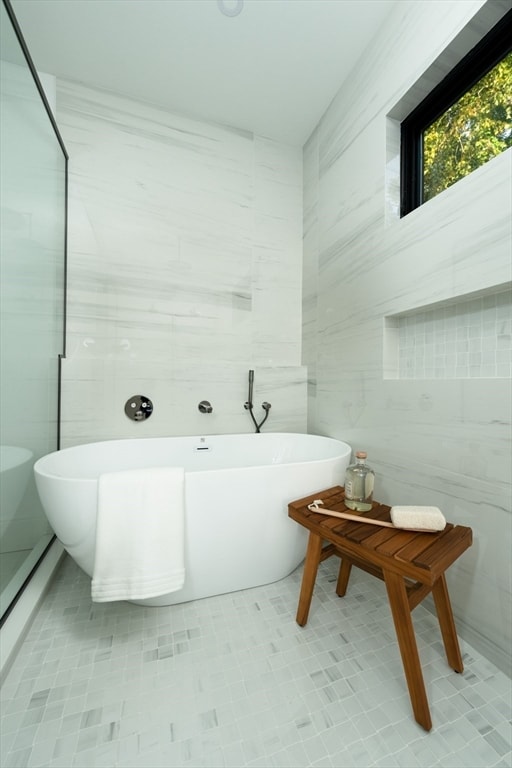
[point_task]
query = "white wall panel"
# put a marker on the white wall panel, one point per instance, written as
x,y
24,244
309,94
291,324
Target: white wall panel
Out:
x,y
445,443
185,251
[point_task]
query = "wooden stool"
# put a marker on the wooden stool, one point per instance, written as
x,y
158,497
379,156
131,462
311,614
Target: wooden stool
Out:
x,y
411,564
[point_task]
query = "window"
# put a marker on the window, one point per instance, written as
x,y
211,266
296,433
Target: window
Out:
x,y
464,122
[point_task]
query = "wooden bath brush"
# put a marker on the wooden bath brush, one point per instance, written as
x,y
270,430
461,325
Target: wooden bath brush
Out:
x,y
420,519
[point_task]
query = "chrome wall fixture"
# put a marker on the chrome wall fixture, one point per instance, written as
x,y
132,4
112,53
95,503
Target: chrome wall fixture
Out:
x,y
205,406
138,408
248,405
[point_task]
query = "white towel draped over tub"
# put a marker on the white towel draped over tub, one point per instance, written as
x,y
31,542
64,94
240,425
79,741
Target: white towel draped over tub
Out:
x,y
139,534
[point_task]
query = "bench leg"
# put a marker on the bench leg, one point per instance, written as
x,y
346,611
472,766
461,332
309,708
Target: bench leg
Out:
x,y
313,557
447,624
343,577
401,613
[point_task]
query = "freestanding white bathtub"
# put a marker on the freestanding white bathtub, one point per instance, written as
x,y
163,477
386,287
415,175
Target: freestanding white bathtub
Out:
x,y
237,488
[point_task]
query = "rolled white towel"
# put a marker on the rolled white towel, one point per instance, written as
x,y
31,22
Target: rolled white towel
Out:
x,y
414,518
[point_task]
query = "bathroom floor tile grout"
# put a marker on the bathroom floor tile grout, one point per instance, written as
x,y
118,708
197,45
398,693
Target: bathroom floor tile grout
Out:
x,y
233,681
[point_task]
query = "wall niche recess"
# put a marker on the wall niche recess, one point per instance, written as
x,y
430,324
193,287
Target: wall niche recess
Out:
x,y
468,337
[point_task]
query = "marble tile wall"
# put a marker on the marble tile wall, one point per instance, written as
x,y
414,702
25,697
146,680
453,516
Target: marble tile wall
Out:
x,y
184,271
444,442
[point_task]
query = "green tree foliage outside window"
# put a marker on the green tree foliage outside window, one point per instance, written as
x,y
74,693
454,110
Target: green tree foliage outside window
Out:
x,y
472,131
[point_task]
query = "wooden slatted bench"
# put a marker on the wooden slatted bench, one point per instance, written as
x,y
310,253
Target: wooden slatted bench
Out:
x,y
411,564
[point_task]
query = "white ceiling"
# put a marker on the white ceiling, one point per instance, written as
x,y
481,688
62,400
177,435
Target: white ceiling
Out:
x,y
272,69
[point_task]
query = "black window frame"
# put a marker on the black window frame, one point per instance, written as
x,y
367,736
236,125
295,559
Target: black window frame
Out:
x,y
491,49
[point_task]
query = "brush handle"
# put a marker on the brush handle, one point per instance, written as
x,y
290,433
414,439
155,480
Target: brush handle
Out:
x,y
370,520
354,518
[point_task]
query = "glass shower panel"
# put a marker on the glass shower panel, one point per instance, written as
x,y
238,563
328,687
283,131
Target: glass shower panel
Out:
x,y
32,273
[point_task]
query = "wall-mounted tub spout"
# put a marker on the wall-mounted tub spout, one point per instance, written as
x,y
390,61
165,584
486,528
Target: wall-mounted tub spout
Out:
x,y
205,407
248,405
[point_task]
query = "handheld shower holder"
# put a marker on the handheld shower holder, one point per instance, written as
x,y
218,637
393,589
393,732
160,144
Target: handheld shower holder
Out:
x,y
248,405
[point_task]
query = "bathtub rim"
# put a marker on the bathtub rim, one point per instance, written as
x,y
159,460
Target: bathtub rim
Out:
x,y
40,465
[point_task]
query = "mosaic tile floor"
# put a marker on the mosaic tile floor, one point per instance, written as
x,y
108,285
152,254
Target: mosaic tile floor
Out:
x,y
233,681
